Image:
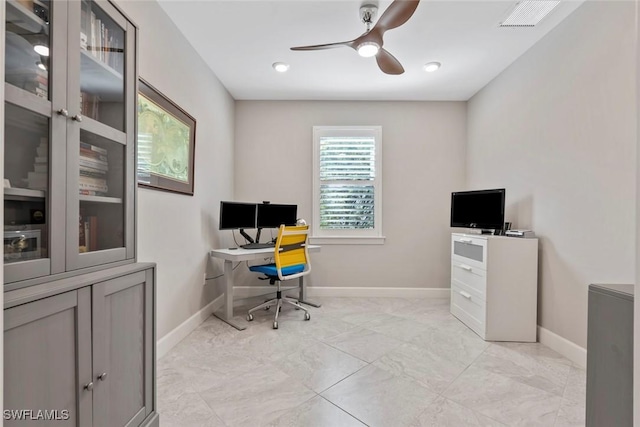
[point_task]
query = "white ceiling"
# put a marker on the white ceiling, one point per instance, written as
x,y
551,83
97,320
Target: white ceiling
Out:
x,y
240,40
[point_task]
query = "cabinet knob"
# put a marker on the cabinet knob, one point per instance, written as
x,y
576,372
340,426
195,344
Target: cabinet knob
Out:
x,y
102,376
77,118
89,386
63,112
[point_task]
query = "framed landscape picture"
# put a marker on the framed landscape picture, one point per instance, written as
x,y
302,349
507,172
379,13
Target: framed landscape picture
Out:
x,y
166,143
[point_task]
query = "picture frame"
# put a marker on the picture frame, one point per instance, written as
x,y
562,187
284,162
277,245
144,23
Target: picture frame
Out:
x,y
165,143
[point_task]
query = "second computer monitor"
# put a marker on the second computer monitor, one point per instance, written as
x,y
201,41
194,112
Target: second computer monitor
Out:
x,y
272,216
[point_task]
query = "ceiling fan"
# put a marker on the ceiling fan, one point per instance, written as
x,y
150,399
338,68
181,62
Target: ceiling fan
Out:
x,y
370,43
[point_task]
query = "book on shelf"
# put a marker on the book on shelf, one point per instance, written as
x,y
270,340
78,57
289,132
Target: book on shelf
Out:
x,y
93,193
94,187
39,167
91,147
90,105
88,233
37,181
93,164
93,181
82,238
92,155
91,172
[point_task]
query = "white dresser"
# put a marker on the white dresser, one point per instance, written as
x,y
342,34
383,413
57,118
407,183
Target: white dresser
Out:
x,y
494,285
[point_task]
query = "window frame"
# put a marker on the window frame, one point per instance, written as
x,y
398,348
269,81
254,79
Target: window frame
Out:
x,y
349,236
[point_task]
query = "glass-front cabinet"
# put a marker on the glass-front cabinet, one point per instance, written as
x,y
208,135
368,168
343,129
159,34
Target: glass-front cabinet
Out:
x,y
70,98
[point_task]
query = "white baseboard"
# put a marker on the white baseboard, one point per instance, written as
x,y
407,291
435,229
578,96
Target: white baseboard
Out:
x,y
568,349
179,333
378,292
241,293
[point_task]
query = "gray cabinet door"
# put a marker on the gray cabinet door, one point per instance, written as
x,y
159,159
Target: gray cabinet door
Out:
x,y
47,361
123,350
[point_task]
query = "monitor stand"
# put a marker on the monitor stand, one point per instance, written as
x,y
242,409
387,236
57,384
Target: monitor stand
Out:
x,y
249,238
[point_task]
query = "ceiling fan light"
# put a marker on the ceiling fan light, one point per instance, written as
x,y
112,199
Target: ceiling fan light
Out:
x,y
368,49
280,67
432,66
41,49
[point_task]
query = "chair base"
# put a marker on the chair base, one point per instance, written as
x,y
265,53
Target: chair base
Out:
x,y
278,303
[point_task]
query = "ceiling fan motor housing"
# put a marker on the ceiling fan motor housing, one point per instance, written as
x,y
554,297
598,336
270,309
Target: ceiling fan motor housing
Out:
x,y
368,14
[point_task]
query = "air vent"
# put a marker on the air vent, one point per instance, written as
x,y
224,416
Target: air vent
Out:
x,y
529,13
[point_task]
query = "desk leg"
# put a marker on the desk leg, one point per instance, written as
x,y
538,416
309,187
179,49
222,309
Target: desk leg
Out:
x,y
302,295
226,315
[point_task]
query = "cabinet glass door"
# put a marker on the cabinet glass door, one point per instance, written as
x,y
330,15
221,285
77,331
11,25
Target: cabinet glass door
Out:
x,y
27,45
26,187
102,64
32,134
101,78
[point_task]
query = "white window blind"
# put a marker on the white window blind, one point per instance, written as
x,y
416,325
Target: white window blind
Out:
x,y
347,188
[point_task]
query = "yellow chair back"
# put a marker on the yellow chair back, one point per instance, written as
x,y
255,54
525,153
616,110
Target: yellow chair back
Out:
x,y
291,249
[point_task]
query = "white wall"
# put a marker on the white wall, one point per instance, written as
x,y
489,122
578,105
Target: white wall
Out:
x,y
423,162
177,231
558,130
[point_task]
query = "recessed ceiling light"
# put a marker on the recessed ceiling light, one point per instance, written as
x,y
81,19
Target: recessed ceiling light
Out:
x,y
529,12
41,66
41,49
280,67
431,67
368,49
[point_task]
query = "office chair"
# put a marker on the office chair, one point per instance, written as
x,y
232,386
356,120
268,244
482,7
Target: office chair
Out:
x,y
291,261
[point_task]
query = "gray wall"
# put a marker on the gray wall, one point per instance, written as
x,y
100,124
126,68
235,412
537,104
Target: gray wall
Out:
x,y
423,155
177,231
558,130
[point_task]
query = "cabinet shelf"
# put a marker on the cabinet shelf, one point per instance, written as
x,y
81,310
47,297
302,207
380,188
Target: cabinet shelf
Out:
x,y
100,199
24,18
23,193
98,77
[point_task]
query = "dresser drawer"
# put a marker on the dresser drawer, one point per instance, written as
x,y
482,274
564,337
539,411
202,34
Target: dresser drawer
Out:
x,y
474,277
471,251
469,309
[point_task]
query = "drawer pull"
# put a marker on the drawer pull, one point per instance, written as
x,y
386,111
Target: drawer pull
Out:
x,y
465,240
465,294
465,267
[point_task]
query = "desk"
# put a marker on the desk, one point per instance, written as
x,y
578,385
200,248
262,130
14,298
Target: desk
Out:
x,y
237,255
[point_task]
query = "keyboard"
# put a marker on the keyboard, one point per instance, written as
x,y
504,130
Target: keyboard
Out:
x,y
258,245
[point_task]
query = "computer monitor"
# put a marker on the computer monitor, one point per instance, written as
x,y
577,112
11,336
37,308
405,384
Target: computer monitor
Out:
x,y
237,215
272,216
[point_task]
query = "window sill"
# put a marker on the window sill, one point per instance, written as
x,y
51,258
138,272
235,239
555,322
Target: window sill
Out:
x,y
346,240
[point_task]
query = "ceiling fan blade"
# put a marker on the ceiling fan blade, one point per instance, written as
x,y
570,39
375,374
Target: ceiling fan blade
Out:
x,y
388,63
396,14
323,46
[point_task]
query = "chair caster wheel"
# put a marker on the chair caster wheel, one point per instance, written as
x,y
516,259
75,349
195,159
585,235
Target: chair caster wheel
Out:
x,y
275,325
249,317
307,316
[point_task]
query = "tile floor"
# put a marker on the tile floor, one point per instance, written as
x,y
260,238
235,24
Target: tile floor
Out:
x,y
387,362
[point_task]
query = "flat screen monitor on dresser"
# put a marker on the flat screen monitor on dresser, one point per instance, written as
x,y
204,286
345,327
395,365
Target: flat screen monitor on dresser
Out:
x,y
478,209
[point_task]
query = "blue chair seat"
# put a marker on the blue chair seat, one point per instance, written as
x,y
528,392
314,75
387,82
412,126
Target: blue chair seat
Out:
x,y
271,270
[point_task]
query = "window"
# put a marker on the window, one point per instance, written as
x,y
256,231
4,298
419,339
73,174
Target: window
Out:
x,y
347,185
